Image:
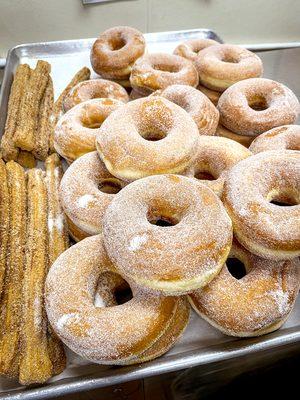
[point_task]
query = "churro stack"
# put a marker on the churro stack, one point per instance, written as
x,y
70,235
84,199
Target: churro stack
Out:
x,y
33,234
32,114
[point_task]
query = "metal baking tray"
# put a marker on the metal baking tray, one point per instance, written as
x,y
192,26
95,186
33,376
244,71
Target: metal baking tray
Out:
x,y
201,344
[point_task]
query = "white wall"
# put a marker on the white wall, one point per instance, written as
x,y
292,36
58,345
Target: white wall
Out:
x,y
236,21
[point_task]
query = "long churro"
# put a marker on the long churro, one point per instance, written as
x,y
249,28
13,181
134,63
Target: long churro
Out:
x,y
18,87
11,303
58,243
26,159
4,222
44,124
25,135
35,363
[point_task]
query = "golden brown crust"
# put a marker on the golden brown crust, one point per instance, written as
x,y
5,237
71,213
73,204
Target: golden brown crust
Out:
x,y
141,322
93,89
258,303
222,65
25,135
266,229
197,105
191,48
35,362
286,137
12,298
76,130
26,159
256,105
116,50
242,139
147,136
18,88
4,221
156,71
153,256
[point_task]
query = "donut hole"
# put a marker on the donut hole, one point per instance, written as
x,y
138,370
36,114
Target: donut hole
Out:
x,y
110,186
153,135
92,119
112,290
172,68
230,58
204,174
116,43
284,200
161,220
236,267
258,103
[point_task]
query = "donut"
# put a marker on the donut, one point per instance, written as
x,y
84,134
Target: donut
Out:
x,y
213,95
255,192
147,136
135,95
200,108
76,130
222,65
115,51
254,106
190,48
285,137
158,70
215,157
86,189
253,304
226,133
94,89
81,295
153,232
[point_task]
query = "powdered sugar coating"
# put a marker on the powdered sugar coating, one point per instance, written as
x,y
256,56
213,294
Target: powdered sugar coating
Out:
x,y
286,137
258,303
76,130
196,104
216,156
156,71
266,229
279,106
92,89
190,48
173,259
115,334
222,65
146,137
82,200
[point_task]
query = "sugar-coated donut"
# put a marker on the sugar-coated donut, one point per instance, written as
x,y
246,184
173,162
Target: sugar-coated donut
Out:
x,y
222,65
81,302
86,189
254,106
213,95
215,157
76,130
242,139
190,48
158,70
147,136
257,303
285,137
267,229
94,89
200,108
115,51
173,259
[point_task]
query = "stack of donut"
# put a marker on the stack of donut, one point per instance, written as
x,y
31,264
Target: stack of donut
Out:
x,y
168,205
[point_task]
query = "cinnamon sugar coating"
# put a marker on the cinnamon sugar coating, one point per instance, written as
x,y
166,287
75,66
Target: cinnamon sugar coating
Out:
x,y
191,48
286,137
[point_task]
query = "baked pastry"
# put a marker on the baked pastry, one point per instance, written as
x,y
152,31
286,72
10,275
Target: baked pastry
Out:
x,y
286,137
190,48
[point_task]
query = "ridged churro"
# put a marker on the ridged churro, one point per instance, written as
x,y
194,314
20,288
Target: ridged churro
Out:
x,y
25,135
26,159
58,243
12,298
18,87
4,221
44,124
35,363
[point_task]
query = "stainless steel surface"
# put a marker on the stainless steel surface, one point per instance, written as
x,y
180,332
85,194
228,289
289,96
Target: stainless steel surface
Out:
x,y
98,1
2,63
272,46
201,344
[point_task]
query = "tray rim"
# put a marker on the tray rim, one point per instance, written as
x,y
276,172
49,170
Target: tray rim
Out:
x,y
211,354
